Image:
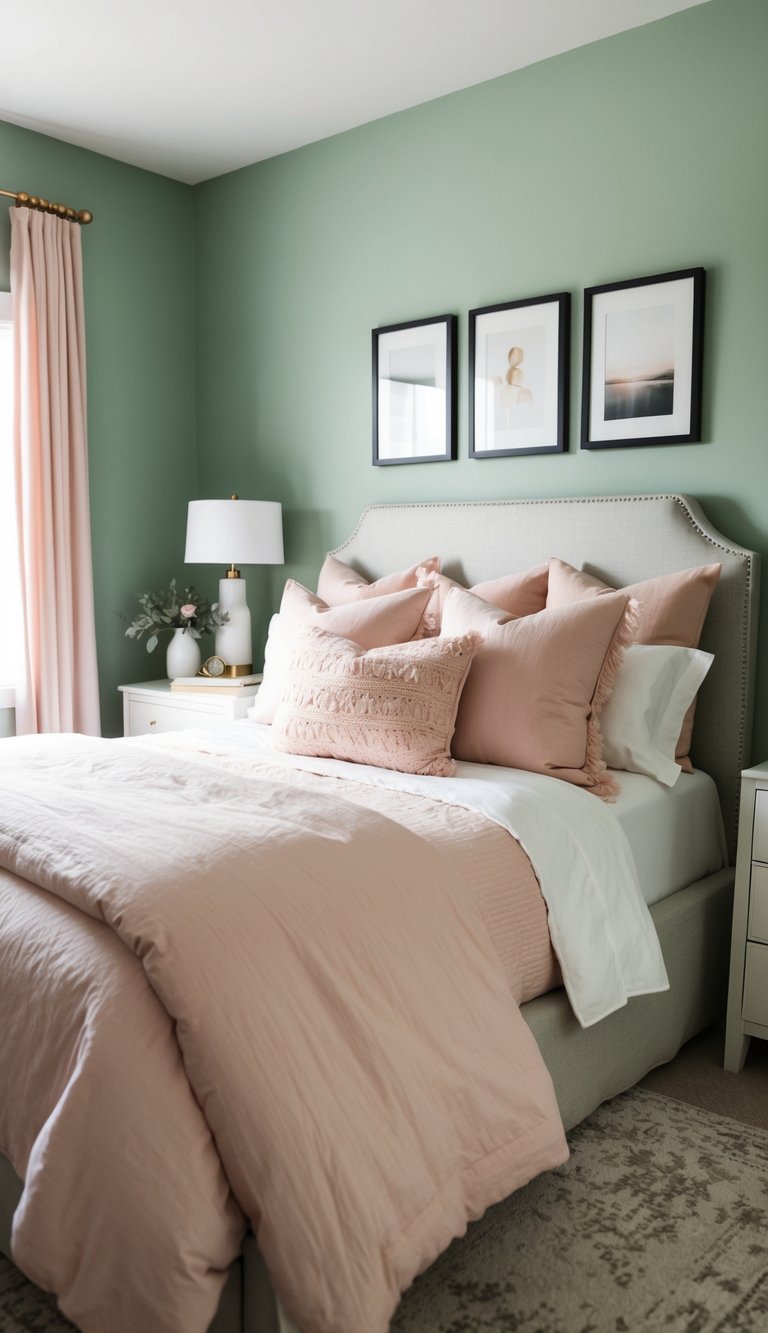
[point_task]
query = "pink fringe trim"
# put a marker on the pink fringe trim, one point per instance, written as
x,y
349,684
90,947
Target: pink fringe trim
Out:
x,y
316,650
427,578
429,627
602,783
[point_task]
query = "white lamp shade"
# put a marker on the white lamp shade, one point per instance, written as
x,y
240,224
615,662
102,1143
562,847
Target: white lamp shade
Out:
x,y
234,532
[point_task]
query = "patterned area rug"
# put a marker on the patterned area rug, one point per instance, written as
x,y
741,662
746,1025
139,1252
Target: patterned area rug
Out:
x,y
658,1223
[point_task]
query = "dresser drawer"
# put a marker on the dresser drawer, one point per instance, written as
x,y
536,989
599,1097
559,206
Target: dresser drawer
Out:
x,y
146,717
757,928
760,827
755,1004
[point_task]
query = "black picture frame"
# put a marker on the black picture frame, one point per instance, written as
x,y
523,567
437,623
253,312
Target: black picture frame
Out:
x,y
518,377
643,358
414,391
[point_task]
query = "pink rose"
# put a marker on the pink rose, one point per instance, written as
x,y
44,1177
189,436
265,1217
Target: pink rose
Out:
x,y
188,610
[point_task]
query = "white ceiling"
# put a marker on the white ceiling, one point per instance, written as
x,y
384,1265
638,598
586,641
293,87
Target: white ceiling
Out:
x,y
192,89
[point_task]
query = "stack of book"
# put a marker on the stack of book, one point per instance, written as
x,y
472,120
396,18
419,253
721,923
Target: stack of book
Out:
x,y
207,684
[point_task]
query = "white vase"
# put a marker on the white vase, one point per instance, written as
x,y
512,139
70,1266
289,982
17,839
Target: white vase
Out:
x,y
183,655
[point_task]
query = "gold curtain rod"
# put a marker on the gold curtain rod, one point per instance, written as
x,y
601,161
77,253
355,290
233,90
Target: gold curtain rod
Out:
x,y
24,200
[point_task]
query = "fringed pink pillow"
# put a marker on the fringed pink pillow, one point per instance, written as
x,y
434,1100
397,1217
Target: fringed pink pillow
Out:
x,y
520,594
671,612
538,685
339,583
391,707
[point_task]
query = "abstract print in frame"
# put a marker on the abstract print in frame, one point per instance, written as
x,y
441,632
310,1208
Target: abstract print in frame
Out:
x,y
518,367
643,344
414,391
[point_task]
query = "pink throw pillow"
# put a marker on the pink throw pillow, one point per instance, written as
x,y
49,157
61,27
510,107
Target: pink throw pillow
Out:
x,y
538,684
392,707
338,583
518,594
370,622
671,612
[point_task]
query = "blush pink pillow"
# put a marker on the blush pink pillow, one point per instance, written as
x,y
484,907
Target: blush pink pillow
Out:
x,y
370,622
671,612
391,707
518,594
338,583
538,684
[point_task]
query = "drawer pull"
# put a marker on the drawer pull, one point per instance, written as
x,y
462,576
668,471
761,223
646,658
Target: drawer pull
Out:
x,y
153,722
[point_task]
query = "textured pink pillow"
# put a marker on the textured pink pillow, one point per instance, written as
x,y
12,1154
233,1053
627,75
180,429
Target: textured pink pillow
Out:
x,y
519,594
338,583
371,622
538,684
392,707
671,612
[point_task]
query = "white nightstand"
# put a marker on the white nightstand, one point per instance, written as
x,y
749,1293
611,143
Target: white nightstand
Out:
x,y
748,985
152,706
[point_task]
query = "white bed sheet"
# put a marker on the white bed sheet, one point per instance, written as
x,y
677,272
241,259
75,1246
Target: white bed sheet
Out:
x,y
676,833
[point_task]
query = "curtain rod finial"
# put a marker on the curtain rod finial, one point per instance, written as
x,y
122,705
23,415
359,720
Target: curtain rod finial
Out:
x,y
24,200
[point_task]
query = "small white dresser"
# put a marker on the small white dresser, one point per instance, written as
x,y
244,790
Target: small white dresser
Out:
x,y
7,710
748,985
153,706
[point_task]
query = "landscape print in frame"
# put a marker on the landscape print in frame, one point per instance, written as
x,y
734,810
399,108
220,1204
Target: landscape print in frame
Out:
x,y
643,343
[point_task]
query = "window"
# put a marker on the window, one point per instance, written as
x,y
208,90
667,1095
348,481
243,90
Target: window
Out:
x,y
11,650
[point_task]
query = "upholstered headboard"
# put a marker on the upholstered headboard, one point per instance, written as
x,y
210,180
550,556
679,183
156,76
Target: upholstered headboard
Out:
x,y
620,538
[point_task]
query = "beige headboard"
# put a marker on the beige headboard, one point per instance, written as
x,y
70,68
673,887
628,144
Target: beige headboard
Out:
x,y
620,538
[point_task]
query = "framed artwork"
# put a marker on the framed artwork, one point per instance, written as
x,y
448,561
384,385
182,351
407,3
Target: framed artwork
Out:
x,y
643,344
414,391
518,367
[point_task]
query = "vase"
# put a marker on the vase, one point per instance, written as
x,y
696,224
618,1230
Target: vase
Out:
x,y
183,655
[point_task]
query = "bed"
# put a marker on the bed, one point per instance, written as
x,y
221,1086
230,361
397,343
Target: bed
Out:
x,y
622,540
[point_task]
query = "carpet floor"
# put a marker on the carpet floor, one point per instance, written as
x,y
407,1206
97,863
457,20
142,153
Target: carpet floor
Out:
x,y
658,1222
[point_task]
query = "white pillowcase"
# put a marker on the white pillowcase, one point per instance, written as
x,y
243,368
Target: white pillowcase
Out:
x,y
641,722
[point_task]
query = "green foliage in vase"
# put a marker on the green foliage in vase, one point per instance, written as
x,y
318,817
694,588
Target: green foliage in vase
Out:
x,y
172,610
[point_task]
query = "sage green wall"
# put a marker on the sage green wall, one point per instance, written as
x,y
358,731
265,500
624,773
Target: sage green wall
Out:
x,y
636,155
138,265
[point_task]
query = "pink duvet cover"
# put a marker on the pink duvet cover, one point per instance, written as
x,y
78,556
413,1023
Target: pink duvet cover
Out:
x,y
238,997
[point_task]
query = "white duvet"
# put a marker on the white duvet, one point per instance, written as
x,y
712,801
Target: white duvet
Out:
x,y
600,926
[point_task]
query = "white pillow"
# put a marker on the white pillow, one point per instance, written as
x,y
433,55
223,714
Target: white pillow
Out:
x,y
275,656
641,722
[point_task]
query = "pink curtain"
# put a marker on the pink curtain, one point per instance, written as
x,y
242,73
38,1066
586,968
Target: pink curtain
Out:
x,y
51,457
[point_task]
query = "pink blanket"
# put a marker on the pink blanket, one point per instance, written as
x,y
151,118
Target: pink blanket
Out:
x,y
242,962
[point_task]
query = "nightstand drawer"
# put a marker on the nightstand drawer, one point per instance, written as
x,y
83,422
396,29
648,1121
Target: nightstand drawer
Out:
x,y
760,827
755,1004
149,717
757,928
152,706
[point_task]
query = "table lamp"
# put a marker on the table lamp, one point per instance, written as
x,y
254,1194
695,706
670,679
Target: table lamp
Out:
x,y
233,531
